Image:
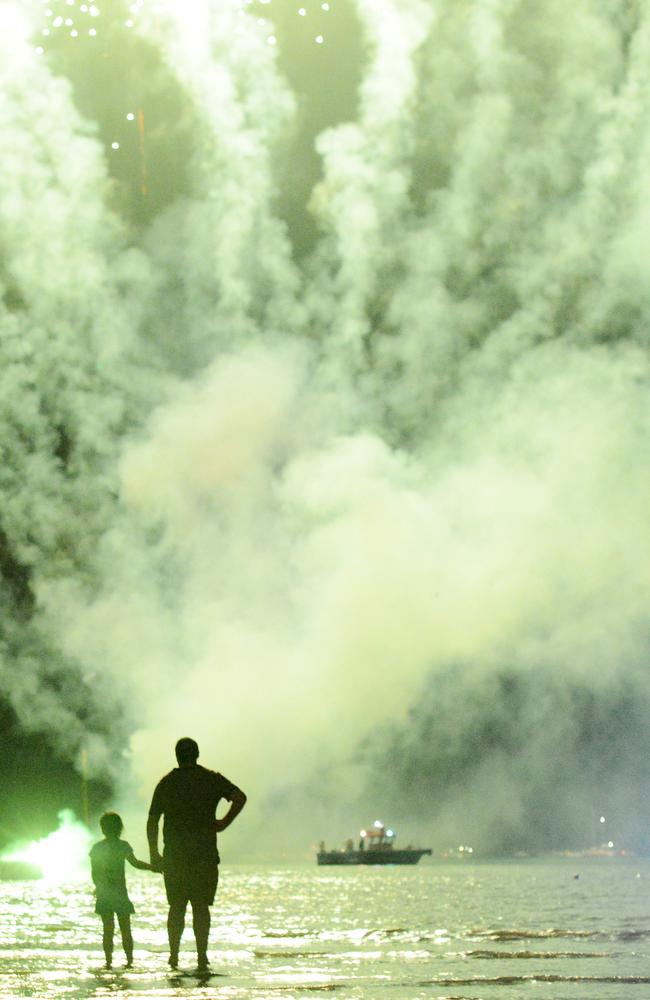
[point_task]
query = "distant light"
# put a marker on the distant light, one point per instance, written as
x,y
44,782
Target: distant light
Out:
x,y
129,23
115,145
74,33
271,40
84,8
94,11
48,13
39,50
363,833
302,12
378,823
389,833
57,22
602,819
325,6
319,39
69,22
610,843
130,117
461,848
70,3
45,31
92,31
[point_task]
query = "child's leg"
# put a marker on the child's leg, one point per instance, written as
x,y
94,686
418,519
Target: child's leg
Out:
x,y
108,924
127,937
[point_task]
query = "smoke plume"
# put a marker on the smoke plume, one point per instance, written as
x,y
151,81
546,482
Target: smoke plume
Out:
x,y
368,519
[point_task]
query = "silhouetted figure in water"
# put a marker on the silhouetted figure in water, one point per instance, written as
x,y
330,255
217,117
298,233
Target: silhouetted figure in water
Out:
x,y
188,797
107,859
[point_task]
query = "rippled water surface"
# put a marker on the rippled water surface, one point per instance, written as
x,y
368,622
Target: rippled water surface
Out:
x,y
439,930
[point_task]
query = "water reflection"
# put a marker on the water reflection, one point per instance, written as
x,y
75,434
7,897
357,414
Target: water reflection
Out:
x,y
293,933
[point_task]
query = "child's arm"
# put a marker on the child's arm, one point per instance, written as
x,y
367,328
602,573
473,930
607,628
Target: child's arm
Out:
x,y
131,858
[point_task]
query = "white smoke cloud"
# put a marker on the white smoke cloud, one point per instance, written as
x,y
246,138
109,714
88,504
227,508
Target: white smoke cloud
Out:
x,y
67,351
423,447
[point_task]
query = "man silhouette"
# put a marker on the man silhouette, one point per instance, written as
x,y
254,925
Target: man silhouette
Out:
x,y
188,797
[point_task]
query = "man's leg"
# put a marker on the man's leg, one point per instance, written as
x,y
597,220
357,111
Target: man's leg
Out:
x,y
175,928
201,925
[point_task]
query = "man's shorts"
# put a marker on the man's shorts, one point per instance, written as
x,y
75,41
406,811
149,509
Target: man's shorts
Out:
x,y
190,880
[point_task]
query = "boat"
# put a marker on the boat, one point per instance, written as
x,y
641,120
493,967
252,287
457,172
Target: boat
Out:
x,y
376,847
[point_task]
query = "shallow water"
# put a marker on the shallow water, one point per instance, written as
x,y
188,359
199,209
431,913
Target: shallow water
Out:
x,y
461,930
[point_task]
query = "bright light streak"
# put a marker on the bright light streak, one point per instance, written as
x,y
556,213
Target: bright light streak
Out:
x,y
63,856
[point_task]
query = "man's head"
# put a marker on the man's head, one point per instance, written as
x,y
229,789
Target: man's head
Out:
x,y
187,751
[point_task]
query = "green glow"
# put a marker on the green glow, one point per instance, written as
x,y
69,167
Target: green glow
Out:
x,y
61,856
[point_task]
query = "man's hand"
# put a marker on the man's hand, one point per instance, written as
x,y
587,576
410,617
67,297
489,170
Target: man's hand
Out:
x,y
237,803
156,861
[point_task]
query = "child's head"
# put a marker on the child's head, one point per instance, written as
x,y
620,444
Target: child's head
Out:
x,y
111,824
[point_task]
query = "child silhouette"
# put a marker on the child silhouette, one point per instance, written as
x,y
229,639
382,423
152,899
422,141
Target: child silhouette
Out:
x,y
107,859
